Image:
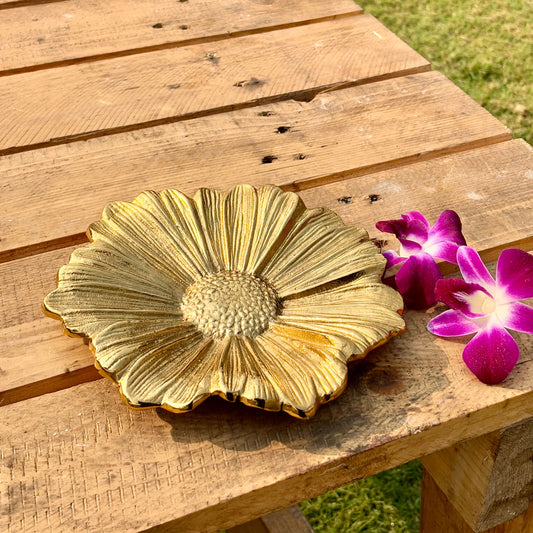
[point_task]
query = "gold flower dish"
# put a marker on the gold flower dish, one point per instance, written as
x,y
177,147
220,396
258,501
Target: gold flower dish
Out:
x,y
244,294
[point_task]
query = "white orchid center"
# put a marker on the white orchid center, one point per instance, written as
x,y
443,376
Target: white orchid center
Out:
x,y
230,303
480,302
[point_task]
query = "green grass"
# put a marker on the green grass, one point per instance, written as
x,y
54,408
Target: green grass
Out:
x,y
486,49
483,47
387,502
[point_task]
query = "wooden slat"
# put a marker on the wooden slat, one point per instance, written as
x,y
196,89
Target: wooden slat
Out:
x,y
62,32
489,480
60,190
37,354
79,459
438,514
91,99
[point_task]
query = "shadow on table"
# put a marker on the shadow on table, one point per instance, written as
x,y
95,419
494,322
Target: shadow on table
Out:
x,y
391,383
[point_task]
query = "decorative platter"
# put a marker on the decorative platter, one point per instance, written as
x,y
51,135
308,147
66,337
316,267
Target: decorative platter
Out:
x,y
244,294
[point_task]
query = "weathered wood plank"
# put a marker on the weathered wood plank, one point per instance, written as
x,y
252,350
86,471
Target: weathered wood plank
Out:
x,y
489,187
489,480
290,520
52,33
90,463
133,92
35,350
438,514
352,131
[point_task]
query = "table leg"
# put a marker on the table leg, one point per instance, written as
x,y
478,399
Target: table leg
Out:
x,y
290,520
481,483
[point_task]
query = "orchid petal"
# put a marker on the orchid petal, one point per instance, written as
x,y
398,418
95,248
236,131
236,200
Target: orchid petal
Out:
x,y
447,228
452,324
514,273
416,215
405,229
397,227
471,299
410,247
491,354
446,251
517,316
472,267
416,281
393,258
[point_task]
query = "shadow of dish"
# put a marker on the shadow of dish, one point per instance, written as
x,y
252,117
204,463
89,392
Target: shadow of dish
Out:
x,y
391,383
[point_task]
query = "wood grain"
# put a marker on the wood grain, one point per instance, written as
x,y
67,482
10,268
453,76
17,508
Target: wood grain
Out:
x,y
92,463
489,480
48,34
290,520
344,133
438,514
91,99
38,358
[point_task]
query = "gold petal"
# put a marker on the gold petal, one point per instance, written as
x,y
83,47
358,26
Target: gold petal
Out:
x,y
364,313
245,226
101,261
143,238
99,286
178,214
305,366
121,343
210,208
276,212
242,373
163,362
86,310
317,250
192,382
239,222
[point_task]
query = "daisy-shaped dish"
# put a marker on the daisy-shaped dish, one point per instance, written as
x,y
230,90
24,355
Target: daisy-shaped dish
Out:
x,y
244,294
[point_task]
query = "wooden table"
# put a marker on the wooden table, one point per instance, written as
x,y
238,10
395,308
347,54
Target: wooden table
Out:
x,y
102,100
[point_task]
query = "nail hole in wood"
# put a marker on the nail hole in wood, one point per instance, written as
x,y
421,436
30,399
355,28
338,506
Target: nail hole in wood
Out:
x,y
345,200
252,82
212,56
268,159
157,26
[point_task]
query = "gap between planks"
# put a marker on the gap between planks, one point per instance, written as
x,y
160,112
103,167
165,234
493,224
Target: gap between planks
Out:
x,y
36,343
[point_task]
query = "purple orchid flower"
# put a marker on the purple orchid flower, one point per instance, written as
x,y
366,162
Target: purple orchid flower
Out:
x,y
420,245
485,306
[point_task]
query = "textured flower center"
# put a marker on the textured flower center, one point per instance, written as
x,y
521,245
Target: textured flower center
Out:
x,y
230,303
